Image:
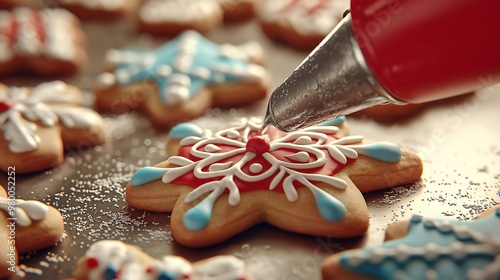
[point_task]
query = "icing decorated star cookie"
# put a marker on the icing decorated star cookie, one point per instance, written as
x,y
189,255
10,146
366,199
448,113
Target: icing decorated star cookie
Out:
x,y
171,17
181,79
309,181
36,124
424,248
112,259
300,23
25,226
46,42
91,9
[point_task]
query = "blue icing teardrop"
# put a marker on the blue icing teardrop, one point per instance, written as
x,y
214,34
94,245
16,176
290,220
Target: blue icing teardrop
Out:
x,y
330,208
197,218
147,175
183,130
384,151
166,276
334,122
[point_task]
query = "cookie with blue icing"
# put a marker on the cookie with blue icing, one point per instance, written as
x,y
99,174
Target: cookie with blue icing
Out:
x,y
309,181
112,259
424,248
179,80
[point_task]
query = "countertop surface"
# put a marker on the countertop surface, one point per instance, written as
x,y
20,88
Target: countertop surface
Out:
x,y
457,140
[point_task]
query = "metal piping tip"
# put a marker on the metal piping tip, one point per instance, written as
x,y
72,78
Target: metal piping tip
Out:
x,y
333,81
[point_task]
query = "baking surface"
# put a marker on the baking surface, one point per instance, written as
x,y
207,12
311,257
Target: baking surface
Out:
x,y
457,140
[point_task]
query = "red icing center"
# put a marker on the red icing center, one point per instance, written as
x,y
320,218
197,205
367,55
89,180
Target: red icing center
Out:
x,y
258,145
92,263
5,106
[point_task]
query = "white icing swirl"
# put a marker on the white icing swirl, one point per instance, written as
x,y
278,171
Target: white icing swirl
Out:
x,y
25,212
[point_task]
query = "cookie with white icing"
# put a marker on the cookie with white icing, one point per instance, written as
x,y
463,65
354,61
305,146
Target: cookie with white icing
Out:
x,y
37,124
425,248
309,181
25,226
238,10
98,9
46,42
179,80
300,23
171,17
112,259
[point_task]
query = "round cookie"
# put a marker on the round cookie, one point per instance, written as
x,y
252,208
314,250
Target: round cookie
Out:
x,y
301,24
99,9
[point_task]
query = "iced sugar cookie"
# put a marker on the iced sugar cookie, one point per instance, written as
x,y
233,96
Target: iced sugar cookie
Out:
x,y
425,248
36,124
47,42
181,79
25,226
300,23
309,181
112,259
91,9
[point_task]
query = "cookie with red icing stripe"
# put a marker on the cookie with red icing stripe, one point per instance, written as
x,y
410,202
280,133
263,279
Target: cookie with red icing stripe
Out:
x,y
36,124
46,42
181,79
25,226
300,23
426,248
309,181
112,259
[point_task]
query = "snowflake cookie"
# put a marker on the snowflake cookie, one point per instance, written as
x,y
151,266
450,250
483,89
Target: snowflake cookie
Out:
x,y
25,226
425,248
181,79
47,41
36,124
112,259
300,23
171,17
309,181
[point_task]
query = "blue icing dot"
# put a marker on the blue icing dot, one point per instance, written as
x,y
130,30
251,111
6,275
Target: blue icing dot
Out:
x,y
334,122
330,208
166,276
110,273
197,218
383,151
183,130
147,175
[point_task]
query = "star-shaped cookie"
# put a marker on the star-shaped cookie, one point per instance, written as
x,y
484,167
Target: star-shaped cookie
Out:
x,y
424,248
47,41
181,79
113,259
309,181
36,124
25,226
